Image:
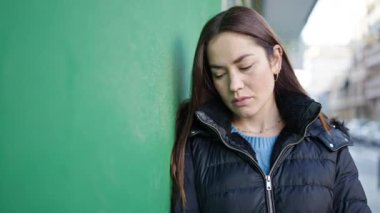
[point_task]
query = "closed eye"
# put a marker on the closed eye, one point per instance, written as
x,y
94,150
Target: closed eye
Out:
x,y
245,68
218,75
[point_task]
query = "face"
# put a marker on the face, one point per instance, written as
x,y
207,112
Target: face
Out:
x,y
242,73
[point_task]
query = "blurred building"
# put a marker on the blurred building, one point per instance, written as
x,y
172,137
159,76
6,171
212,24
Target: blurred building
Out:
x,y
372,61
346,96
323,61
357,94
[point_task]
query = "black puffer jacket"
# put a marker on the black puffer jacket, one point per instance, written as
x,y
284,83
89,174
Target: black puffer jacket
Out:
x,y
311,169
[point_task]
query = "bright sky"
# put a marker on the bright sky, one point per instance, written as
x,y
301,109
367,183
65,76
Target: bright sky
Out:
x,y
333,22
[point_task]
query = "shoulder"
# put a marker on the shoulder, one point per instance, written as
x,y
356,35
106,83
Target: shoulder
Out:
x,y
199,138
335,138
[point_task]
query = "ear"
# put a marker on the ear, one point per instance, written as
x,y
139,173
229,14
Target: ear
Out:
x,y
276,59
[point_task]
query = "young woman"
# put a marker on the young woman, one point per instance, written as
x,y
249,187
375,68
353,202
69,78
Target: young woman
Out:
x,y
250,139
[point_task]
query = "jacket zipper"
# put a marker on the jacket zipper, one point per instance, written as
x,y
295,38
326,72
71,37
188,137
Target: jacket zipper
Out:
x,y
275,165
269,199
289,145
269,193
233,148
267,178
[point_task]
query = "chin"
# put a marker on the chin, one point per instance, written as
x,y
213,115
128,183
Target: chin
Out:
x,y
245,113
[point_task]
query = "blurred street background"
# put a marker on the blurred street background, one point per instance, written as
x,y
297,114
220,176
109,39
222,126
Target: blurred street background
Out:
x,y
89,91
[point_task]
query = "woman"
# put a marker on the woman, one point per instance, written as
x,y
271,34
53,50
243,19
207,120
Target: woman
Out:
x,y
250,139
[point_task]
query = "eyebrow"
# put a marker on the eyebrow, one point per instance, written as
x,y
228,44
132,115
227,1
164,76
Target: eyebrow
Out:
x,y
240,58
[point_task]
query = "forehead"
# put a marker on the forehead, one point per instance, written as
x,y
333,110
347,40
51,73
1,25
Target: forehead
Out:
x,y
227,46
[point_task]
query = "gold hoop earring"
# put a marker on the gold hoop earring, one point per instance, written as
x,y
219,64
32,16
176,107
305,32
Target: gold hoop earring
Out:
x,y
276,77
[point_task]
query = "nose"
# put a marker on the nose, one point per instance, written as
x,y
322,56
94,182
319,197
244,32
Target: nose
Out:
x,y
236,82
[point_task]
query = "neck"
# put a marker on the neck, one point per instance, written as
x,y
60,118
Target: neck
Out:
x,y
265,122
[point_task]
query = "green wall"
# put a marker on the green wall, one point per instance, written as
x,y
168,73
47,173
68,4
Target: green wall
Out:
x,y
88,91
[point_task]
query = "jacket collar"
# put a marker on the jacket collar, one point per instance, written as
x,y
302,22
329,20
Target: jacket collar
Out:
x,y
296,110
335,139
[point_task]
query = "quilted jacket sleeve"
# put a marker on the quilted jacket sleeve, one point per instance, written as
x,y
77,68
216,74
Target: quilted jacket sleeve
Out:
x,y
190,190
349,195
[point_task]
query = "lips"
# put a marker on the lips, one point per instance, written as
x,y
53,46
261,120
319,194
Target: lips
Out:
x,y
240,102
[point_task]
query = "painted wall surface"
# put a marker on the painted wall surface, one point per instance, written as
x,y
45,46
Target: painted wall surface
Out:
x,y
88,92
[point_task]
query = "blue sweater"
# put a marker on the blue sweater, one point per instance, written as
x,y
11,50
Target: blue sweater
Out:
x,y
263,147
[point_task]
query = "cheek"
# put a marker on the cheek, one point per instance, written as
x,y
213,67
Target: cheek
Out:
x,y
265,81
221,87
267,84
260,81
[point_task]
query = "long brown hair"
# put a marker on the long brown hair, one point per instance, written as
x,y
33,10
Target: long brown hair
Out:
x,y
240,20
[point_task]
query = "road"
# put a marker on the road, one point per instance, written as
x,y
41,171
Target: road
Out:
x,y
367,159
